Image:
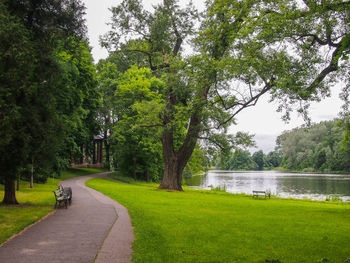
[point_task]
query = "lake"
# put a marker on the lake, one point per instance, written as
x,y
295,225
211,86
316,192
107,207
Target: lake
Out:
x,y
294,185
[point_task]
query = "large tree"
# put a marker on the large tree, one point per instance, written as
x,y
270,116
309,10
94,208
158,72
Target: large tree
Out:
x,y
31,35
243,50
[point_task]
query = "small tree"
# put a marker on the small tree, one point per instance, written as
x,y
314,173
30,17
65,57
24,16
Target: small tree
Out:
x,y
258,158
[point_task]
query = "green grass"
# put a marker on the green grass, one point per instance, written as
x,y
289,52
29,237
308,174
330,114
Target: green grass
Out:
x,y
206,226
35,203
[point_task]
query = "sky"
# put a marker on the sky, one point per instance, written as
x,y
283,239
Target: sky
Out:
x,y
261,120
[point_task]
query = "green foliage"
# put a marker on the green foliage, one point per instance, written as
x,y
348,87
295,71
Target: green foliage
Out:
x,y
239,160
334,198
202,226
77,100
218,188
319,148
135,102
197,164
243,160
48,100
258,158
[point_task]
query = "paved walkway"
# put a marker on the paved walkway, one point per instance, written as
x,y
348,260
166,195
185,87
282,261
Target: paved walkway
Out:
x,y
94,228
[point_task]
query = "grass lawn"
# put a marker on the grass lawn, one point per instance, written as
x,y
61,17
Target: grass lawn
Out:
x,y
34,203
207,226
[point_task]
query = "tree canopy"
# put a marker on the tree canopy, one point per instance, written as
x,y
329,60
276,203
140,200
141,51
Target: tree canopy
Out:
x,y
47,86
321,147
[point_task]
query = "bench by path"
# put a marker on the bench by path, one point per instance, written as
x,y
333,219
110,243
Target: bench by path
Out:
x,y
94,227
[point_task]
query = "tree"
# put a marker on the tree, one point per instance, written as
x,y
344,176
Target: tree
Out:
x,y
239,160
240,55
137,150
77,100
273,159
29,81
258,158
16,64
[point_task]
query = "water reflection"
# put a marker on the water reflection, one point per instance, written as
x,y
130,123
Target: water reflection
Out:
x,y
312,186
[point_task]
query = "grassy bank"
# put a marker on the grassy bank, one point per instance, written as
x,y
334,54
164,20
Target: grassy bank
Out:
x,y
204,226
34,202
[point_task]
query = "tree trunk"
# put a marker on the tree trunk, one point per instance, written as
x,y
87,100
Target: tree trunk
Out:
x,y
32,175
18,181
134,167
107,150
175,162
10,192
147,176
105,138
173,168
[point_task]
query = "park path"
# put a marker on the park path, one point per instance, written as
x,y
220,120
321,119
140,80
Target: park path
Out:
x,y
94,228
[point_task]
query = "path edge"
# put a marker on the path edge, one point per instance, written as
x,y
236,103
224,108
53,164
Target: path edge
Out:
x,y
27,227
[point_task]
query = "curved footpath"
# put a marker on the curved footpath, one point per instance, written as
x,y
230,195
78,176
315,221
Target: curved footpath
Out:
x,y
94,228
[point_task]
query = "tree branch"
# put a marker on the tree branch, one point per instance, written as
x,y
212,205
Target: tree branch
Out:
x,y
333,66
251,102
212,141
320,41
150,125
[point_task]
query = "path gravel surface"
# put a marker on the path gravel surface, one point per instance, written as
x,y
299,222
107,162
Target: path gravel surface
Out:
x,y
94,228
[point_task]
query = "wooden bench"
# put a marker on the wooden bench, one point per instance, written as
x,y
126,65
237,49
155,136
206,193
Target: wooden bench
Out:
x,y
63,196
262,193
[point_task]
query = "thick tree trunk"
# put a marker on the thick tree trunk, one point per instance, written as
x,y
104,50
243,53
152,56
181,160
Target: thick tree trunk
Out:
x,y
175,162
10,192
173,168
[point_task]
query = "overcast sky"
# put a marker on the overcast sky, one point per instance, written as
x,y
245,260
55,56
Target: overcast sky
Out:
x,y
261,120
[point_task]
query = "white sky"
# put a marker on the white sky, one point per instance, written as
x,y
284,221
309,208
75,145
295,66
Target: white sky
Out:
x,y
261,120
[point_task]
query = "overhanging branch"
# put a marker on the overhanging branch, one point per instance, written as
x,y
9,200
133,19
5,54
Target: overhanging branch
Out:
x,y
251,102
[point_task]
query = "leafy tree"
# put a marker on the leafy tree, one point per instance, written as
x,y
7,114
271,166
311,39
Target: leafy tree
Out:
x,y
273,159
241,54
137,150
30,76
16,62
258,158
77,100
239,160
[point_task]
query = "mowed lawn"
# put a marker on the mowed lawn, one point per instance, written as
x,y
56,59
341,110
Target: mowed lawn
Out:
x,y
207,226
35,203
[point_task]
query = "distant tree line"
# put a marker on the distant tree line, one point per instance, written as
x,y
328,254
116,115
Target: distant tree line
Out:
x,y
244,160
322,147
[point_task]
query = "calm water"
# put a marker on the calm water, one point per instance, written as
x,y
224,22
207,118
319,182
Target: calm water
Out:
x,y
295,185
